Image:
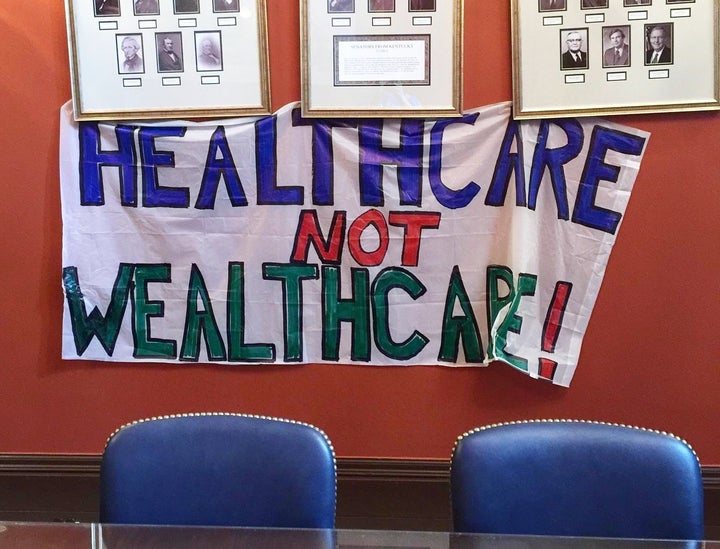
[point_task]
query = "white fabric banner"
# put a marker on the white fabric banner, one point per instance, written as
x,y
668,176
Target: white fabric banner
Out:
x,y
284,240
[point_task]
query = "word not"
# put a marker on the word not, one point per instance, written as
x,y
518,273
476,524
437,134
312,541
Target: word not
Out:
x,y
329,249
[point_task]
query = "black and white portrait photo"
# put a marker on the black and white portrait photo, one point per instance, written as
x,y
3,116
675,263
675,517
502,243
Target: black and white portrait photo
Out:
x,y
341,6
593,4
169,51
616,46
130,57
208,51
220,6
146,7
422,5
375,6
574,49
186,6
107,7
658,44
552,5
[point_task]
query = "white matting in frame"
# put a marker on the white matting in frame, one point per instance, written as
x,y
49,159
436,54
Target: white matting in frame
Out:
x,y
590,57
381,58
137,59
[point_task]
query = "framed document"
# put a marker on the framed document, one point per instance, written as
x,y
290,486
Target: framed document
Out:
x,y
168,58
381,58
589,57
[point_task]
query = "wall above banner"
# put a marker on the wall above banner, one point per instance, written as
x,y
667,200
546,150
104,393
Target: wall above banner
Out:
x,y
283,240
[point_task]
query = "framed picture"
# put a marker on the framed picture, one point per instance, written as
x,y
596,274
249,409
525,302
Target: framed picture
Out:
x,y
600,57
381,58
136,59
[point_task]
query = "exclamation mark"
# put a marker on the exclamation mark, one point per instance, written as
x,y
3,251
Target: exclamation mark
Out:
x,y
551,328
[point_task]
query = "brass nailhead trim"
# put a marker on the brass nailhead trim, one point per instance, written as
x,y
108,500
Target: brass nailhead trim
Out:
x,y
520,422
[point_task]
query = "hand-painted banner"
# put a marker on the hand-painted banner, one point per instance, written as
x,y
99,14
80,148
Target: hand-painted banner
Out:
x,y
387,242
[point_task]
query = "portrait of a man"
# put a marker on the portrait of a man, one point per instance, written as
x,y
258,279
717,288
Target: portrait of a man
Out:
x,y
658,50
131,56
617,47
593,4
169,52
341,6
575,55
381,5
146,7
187,6
552,5
208,51
220,6
422,5
107,7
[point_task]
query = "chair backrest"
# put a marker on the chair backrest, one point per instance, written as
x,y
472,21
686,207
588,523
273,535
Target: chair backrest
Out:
x,y
219,469
576,478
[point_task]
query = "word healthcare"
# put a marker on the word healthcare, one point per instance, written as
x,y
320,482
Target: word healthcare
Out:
x,y
279,239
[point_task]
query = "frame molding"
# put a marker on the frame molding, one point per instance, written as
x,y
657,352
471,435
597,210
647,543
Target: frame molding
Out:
x,y
549,83
343,82
169,64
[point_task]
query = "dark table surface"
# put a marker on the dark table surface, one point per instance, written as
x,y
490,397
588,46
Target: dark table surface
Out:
x,y
25,535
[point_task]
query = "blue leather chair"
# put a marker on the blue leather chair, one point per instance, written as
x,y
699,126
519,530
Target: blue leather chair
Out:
x,y
219,470
576,478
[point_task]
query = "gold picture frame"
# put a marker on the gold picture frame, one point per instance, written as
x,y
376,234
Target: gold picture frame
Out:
x,y
381,58
598,57
140,59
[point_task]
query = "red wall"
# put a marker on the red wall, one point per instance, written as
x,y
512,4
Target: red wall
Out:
x,y
651,355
